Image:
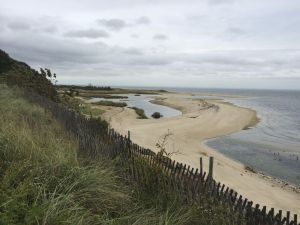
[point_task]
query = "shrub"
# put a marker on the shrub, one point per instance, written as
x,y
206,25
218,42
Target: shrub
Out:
x,y
156,115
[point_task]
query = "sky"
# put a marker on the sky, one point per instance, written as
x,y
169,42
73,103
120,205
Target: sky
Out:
x,y
163,43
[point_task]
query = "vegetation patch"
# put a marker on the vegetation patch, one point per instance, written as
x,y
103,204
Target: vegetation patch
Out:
x,y
110,103
94,91
91,111
250,169
140,112
20,74
89,87
157,115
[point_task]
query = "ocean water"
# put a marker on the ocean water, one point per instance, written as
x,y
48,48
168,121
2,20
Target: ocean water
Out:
x,y
273,145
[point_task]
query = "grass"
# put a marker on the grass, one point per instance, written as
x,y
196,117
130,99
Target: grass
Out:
x,y
80,106
43,180
140,112
2,79
87,109
110,103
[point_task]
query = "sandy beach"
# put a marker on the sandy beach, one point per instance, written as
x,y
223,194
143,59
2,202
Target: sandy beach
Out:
x,y
202,120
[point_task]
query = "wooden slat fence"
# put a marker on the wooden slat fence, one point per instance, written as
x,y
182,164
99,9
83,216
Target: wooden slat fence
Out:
x,y
152,170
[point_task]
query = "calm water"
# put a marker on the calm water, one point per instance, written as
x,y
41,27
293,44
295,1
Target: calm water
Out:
x,y
142,102
273,145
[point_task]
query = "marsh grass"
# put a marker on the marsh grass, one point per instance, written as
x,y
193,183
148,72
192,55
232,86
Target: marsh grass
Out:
x,y
140,112
110,103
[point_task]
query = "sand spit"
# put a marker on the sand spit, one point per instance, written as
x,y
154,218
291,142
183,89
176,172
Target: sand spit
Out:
x,y
202,120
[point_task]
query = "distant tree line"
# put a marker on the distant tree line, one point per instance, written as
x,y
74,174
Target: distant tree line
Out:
x,y
89,87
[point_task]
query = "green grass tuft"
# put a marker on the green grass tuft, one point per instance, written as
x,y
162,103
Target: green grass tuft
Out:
x,y
110,103
140,112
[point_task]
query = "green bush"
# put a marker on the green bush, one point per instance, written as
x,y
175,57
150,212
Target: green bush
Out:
x,y
156,115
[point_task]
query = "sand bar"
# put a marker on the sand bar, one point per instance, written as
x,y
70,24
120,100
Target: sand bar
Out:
x,y
200,122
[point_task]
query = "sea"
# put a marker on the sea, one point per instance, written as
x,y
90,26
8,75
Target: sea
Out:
x,y
272,146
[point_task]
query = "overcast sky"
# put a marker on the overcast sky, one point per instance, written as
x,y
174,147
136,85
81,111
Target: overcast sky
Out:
x,y
193,43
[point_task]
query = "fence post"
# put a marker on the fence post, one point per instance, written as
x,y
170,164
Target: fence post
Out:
x,y
201,166
288,217
211,167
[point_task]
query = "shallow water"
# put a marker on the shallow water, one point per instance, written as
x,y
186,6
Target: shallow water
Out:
x,y
143,102
273,145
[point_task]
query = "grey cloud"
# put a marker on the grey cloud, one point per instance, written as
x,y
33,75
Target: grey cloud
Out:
x,y
90,33
150,60
133,51
250,24
18,25
49,29
218,2
50,51
235,30
119,24
113,24
134,36
160,37
143,20
81,56
232,33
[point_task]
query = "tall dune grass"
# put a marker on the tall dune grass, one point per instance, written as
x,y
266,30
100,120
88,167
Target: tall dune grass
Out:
x,y
43,180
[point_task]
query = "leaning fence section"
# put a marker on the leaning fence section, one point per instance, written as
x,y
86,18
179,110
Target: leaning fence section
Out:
x,y
139,163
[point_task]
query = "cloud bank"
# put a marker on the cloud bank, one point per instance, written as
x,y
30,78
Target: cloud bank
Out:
x,y
213,43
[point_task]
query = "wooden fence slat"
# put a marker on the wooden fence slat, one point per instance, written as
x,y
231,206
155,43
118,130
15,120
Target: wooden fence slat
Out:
x,y
201,166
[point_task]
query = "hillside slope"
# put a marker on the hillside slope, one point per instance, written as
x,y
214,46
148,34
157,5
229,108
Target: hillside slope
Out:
x,y
43,181
18,73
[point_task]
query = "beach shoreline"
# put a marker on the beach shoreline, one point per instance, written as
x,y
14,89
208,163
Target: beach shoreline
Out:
x,y
199,122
